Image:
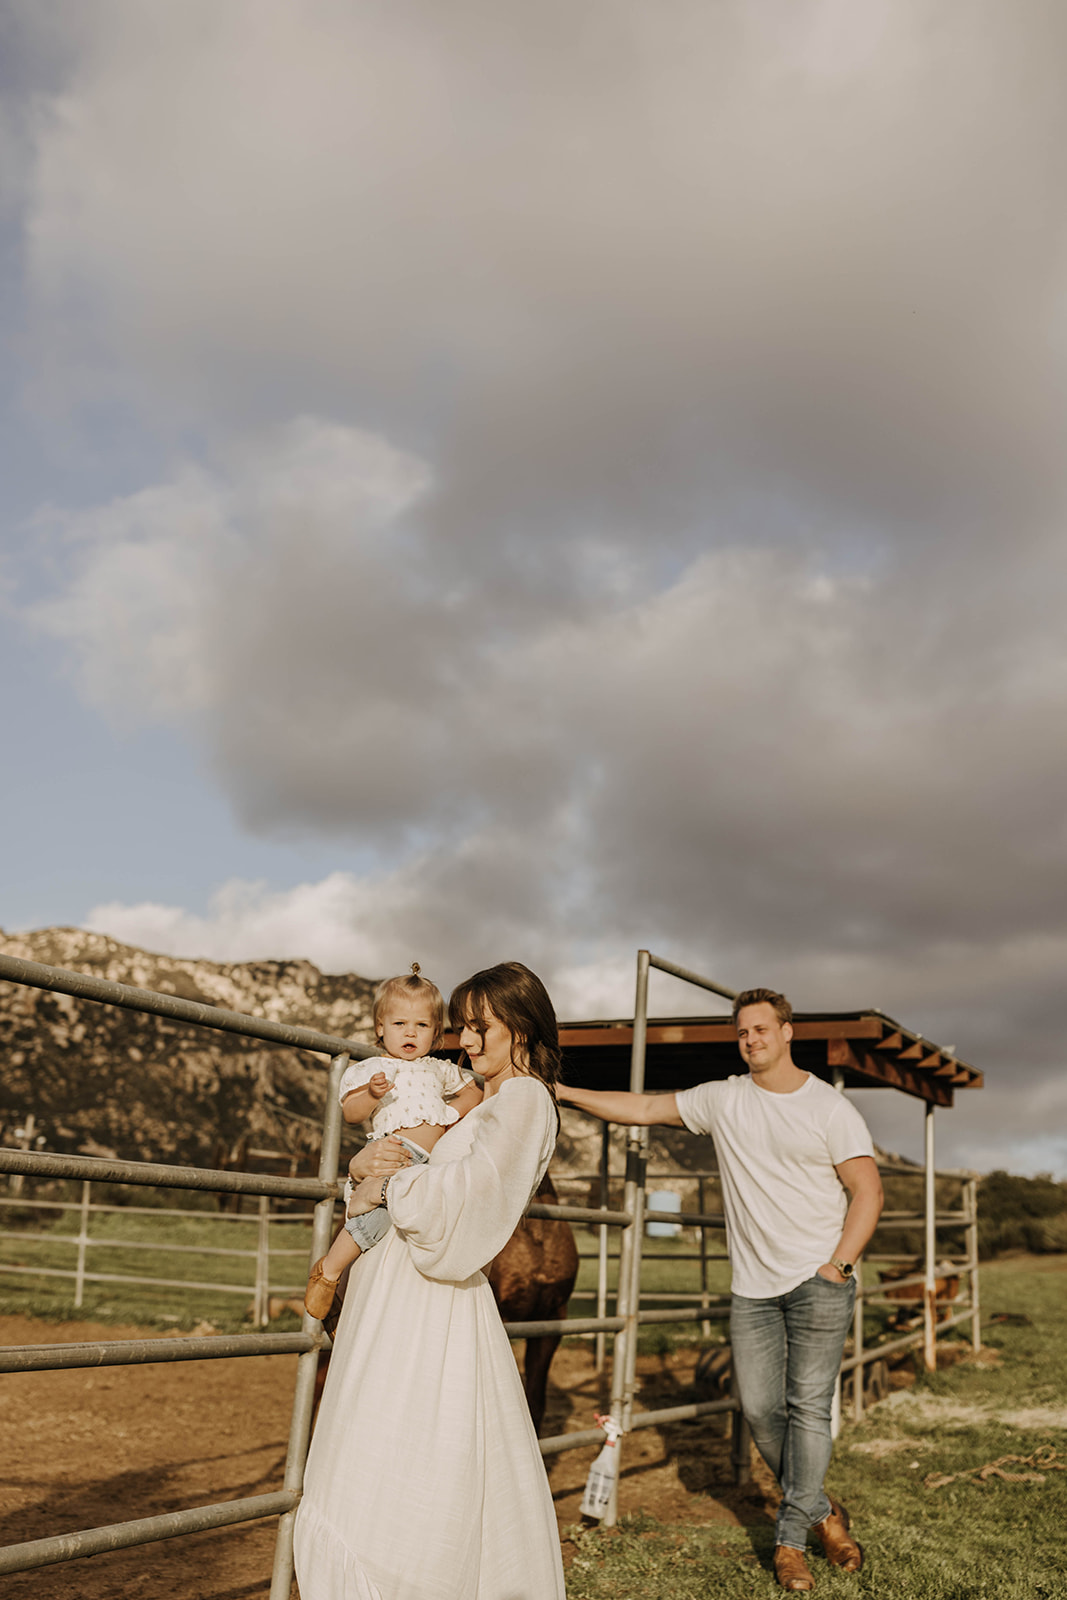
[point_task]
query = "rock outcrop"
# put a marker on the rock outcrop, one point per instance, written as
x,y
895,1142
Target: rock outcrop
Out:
x,y
100,1080
103,1080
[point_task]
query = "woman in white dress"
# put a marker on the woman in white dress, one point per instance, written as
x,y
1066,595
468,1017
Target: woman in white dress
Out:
x,y
424,1480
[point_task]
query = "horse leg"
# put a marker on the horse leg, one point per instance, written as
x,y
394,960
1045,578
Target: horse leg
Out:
x,y
539,1353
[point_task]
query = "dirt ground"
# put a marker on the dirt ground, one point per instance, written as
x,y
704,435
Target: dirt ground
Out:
x,y
85,1448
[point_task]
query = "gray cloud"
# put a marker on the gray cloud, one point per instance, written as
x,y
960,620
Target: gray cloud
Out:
x,y
633,500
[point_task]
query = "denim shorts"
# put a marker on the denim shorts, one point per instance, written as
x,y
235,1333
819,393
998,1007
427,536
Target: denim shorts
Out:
x,y
370,1227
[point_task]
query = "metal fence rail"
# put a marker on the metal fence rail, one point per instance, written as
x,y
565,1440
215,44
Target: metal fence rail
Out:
x,y
262,1255
123,1535
323,1190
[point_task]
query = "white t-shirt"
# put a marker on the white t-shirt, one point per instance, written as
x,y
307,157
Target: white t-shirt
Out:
x,y
784,1203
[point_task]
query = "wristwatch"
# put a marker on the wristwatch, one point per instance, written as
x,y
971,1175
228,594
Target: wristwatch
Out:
x,y
385,1186
845,1268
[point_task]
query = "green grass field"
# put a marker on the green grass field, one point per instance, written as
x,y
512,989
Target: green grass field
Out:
x,y
968,1540
144,1243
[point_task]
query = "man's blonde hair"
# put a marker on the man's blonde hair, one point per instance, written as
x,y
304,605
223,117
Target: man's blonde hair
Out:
x,y
764,997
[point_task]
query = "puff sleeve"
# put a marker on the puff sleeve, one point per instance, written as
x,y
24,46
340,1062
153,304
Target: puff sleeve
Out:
x,y
359,1073
455,1216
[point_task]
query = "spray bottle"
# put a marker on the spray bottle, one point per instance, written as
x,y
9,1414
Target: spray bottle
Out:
x,y
604,1472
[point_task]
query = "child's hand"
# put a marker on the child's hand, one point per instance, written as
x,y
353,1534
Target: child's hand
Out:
x,y
379,1085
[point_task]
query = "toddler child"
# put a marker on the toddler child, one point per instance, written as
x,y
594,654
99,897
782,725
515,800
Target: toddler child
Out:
x,y
406,1092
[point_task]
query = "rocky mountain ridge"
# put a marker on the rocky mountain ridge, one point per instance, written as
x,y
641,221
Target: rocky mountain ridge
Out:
x,y
100,1079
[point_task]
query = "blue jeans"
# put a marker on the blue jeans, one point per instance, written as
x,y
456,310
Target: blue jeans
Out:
x,y
786,1355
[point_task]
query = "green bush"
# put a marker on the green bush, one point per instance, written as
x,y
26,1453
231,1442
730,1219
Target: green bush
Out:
x,y
1021,1214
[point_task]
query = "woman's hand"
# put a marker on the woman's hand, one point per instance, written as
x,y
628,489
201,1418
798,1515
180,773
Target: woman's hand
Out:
x,y
365,1197
380,1158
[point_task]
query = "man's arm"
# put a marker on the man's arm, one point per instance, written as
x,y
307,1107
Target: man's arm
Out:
x,y
618,1105
860,1177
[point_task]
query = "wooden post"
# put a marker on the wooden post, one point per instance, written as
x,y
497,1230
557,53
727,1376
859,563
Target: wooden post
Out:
x,y
930,1284
857,1346
971,1193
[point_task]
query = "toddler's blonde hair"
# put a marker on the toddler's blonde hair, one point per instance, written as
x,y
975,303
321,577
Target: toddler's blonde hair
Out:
x,y
410,986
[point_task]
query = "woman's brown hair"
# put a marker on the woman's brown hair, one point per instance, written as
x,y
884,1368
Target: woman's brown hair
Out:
x,y
517,998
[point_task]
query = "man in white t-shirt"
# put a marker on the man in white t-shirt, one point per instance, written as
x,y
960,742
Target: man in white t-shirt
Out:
x,y
802,1196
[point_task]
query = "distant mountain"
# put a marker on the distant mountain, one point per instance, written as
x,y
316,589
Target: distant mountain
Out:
x,y
101,1080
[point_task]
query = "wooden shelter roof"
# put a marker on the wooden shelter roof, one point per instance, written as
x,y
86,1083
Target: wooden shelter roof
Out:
x,y
867,1047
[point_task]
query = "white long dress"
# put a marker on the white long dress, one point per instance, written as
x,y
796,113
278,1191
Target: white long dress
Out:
x,y
424,1480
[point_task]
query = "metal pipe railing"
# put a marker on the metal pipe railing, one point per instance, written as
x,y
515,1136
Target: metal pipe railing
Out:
x,y
146,1530
688,976
625,1352
156,1175
85,987
149,1352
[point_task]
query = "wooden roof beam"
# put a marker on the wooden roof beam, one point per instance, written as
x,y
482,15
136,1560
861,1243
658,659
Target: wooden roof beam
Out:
x,y
839,1053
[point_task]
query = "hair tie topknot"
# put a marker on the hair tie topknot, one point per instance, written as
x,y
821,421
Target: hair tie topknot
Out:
x,y
416,969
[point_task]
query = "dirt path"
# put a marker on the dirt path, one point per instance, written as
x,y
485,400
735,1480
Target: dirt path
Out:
x,y
85,1448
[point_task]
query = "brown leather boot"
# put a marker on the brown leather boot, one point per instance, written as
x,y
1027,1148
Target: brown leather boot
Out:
x,y
791,1570
840,1547
318,1297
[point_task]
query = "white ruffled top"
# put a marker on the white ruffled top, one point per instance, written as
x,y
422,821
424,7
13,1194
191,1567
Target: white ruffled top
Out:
x,y
420,1093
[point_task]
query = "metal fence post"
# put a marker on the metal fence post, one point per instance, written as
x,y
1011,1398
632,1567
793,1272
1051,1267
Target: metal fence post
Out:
x,y
261,1310
625,1355
602,1246
83,1244
307,1365
702,1234
740,1438
930,1284
637,1229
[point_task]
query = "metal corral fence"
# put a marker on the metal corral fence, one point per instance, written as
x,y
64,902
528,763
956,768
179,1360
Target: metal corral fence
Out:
x,y
323,1191
261,1254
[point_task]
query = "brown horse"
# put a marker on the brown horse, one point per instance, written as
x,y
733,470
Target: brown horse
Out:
x,y
532,1279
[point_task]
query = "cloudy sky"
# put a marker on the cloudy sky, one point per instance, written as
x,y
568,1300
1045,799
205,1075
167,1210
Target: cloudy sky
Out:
x,y
508,479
